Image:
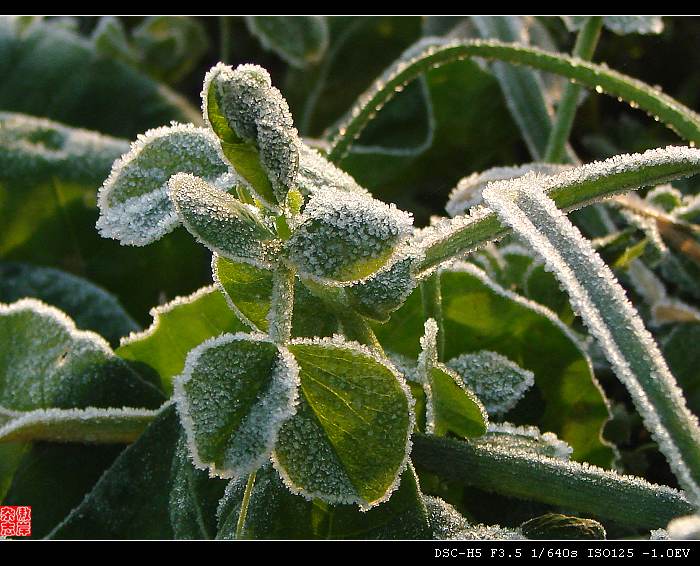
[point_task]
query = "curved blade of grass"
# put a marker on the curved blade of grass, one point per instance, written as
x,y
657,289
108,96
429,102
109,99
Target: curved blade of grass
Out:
x,y
570,190
578,487
433,52
602,304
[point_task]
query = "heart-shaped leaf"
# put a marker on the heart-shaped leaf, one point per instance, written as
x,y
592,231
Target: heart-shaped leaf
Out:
x,y
352,404
221,222
233,396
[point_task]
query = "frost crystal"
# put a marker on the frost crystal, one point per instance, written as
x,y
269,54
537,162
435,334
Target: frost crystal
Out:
x,y
498,382
234,395
598,298
468,191
344,237
447,524
221,222
621,25
317,173
258,114
133,202
524,440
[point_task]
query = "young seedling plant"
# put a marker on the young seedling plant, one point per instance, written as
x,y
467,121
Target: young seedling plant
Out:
x,y
344,363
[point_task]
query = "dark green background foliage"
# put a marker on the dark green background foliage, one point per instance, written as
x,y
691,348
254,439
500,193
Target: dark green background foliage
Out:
x,y
118,77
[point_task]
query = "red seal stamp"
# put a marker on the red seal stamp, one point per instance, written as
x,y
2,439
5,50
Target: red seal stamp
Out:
x,y
15,521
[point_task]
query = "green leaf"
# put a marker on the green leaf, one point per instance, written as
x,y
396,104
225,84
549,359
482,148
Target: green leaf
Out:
x,y
352,404
222,222
497,382
54,478
684,361
134,204
50,71
255,128
150,492
275,513
299,40
248,290
346,237
562,527
170,47
450,405
91,307
45,362
480,315
523,440
455,408
177,328
235,393
49,174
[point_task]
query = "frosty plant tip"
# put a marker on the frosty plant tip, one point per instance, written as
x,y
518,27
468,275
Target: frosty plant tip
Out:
x,y
342,353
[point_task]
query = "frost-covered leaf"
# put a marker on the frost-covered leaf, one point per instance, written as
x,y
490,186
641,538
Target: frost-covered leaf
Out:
x,y
134,204
152,491
446,523
562,527
45,362
345,237
178,327
352,404
254,126
234,394
382,293
299,40
316,173
602,304
479,315
684,361
91,307
467,193
275,513
525,440
49,174
450,405
51,71
498,383
621,25
221,222
248,291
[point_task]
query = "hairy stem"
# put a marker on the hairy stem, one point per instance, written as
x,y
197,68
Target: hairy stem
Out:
x,y
243,513
224,39
282,305
585,47
570,190
433,53
572,486
601,302
432,307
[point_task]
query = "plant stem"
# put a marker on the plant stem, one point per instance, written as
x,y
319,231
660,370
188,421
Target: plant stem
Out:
x,y
243,513
282,305
572,486
432,307
438,52
357,328
585,47
224,39
570,190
